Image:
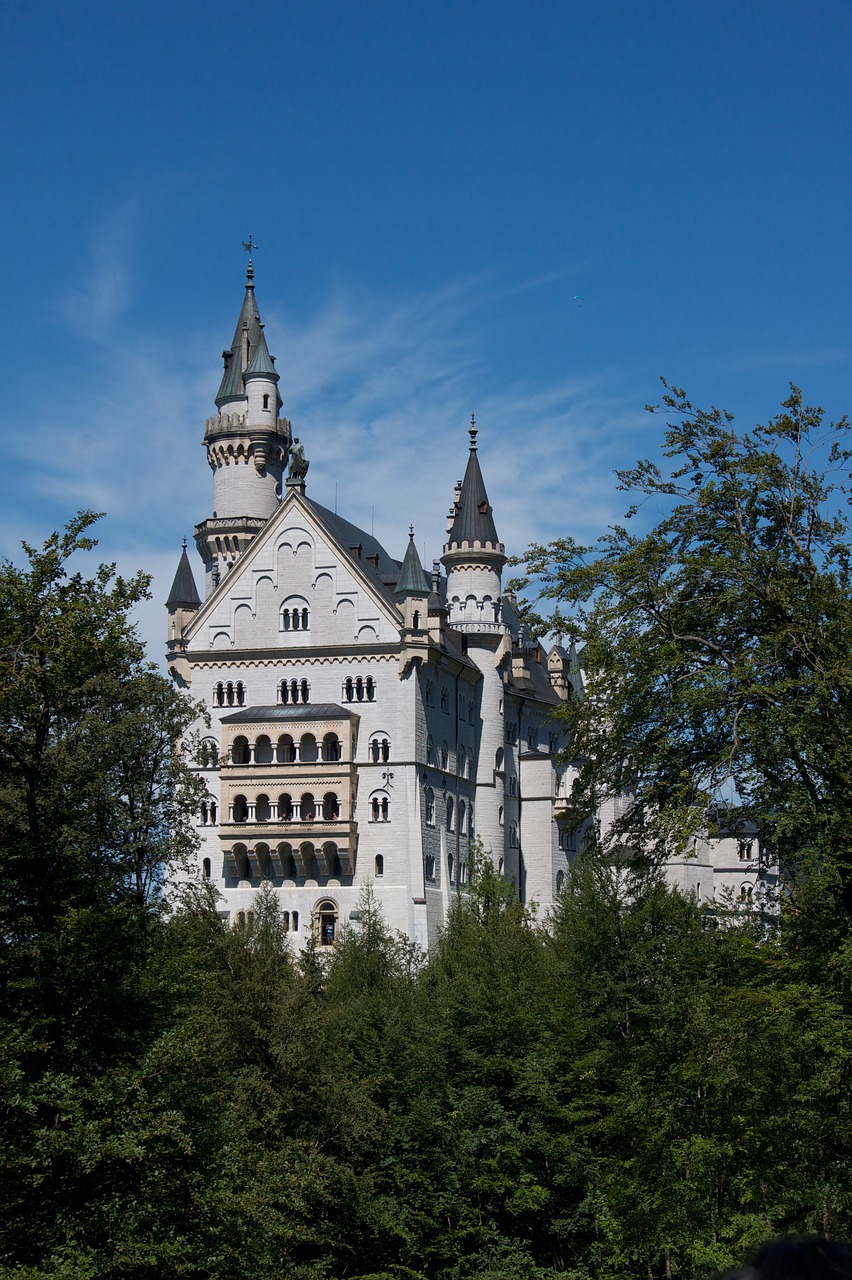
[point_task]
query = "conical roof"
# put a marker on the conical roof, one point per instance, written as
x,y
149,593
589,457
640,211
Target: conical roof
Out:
x,y
262,362
474,521
412,580
183,594
231,386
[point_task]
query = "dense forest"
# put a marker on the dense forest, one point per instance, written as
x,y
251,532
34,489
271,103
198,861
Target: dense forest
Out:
x,y
633,1086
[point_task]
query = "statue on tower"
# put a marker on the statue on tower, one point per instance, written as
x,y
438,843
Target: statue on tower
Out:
x,y
298,463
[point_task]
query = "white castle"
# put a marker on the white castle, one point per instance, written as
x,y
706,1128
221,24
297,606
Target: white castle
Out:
x,y
369,720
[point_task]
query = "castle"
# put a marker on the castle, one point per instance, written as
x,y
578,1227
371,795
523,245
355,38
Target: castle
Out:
x,y
369,719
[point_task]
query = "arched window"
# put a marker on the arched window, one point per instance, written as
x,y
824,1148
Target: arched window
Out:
x,y
429,866
294,920
385,809
308,749
462,812
560,881
205,816
470,712
445,699
513,784
263,751
744,850
283,693
379,749
450,814
229,694
294,615
206,869
348,689
500,815
307,807
240,750
430,750
461,760
213,812
513,836
262,809
331,748
370,685
286,751
380,865
498,759
240,809
450,868
745,892
305,690
208,753
429,806
415,620
429,696
219,695
241,694
325,922
330,807
266,399
445,755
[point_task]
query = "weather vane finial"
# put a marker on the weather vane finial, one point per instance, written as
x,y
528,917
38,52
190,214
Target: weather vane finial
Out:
x,y
472,429
249,246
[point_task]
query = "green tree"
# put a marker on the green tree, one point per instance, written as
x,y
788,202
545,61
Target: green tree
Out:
x,y
717,644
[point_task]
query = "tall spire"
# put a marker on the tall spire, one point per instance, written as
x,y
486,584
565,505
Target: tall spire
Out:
x,y
474,522
183,594
248,336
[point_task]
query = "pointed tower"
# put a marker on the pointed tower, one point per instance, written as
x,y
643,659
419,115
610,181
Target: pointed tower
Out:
x,y
413,589
247,445
473,555
182,603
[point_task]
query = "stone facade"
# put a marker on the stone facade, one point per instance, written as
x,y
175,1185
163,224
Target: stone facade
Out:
x,y
367,721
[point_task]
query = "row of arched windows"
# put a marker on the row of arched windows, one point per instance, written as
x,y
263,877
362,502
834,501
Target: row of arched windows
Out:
x,y
229,694
464,704
286,750
305,861
294,618
379,809
285,809
465,812
359,689
293,693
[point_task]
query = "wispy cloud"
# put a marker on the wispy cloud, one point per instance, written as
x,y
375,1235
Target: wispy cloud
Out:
x,y
105,292
381,397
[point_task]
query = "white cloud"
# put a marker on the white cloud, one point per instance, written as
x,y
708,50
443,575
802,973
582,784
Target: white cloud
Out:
x,y
106,290
381,399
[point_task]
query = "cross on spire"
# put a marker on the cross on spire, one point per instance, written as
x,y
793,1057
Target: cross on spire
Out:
x,y
472,432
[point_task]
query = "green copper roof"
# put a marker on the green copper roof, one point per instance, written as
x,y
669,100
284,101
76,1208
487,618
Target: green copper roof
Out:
x,y
412,580
261,362
231,386
474,521
183,594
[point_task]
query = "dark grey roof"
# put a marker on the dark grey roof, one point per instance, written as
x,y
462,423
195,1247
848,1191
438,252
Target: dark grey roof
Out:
x,y
262,362
317,711
474,521
183,594
231,386
412,580
385,571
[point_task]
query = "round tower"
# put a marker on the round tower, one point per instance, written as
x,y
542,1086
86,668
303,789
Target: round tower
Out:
x,y
247,445
473,555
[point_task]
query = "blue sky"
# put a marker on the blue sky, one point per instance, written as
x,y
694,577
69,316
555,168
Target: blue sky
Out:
x,y
431,186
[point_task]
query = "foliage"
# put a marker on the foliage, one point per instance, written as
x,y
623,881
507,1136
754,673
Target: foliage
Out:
x,y
717,644
618,1090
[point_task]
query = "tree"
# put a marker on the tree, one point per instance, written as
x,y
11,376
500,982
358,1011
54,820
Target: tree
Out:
x,y
717,644
94,799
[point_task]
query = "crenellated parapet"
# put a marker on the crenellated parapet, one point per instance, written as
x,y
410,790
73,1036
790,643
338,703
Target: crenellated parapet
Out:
x,y
231,441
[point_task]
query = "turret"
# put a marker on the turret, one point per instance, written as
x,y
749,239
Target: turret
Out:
x,y
182,603
247,445
473,555
413,589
